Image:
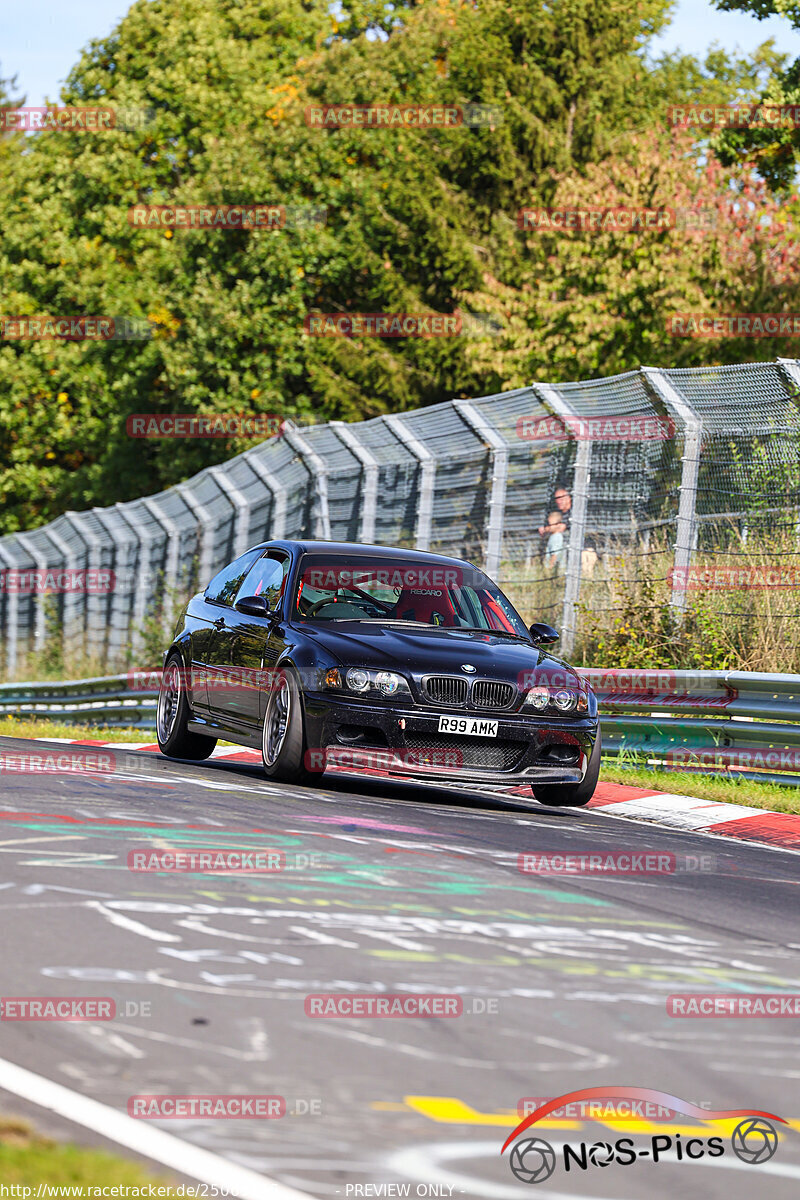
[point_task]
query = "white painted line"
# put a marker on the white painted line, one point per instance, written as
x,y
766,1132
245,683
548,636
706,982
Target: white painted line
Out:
x,y
142,1137
228,751
683,812
115,918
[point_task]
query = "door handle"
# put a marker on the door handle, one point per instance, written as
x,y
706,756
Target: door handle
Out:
x,y
219,623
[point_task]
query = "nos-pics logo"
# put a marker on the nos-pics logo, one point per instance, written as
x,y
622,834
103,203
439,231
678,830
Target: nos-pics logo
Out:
x,y
533,1160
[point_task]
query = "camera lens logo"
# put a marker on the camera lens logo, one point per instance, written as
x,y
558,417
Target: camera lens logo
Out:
x,y
754,1140
533,1161
601,1154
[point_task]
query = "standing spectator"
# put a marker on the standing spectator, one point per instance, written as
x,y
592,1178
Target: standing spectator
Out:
x,y
563,502
554,553
564,505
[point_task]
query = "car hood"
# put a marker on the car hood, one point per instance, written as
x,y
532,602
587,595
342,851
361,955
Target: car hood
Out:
x,y
435,650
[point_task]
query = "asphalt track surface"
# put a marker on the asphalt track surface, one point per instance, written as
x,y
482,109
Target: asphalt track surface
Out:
x,y
563,980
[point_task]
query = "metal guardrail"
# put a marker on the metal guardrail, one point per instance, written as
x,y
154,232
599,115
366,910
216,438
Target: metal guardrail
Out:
x,y
106,700
741,722
747,723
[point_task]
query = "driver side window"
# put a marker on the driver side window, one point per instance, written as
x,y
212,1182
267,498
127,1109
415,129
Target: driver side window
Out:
x,y
267,577
223,586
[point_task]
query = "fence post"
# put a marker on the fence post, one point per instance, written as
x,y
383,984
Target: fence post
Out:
x,y
237,498
692,432
278,493
369,494
553,400
11,630
205,526
71,602
427,468
791,368
171,562
122,540
315,467
95,601
499,450
144,569
41,564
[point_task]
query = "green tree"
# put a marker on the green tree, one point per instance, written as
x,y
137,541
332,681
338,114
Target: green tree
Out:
x,y
776,149
418,220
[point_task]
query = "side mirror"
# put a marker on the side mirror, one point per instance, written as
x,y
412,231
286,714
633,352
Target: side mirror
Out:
x,y
544,635
254,606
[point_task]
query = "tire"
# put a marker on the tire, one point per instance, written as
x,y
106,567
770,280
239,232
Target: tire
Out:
x,y
172,714
573,795
283,736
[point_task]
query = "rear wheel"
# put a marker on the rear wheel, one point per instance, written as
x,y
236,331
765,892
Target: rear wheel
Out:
x,y
172,715
283,738
573,795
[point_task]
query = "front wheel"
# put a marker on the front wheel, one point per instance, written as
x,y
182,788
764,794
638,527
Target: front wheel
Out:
x,y
573,795
172,715
283,738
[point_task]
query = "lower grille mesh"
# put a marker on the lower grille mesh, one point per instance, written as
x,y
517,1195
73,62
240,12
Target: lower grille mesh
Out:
x,y
470,753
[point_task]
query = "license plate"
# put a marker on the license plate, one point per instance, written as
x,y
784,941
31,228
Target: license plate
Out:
x,y
472,726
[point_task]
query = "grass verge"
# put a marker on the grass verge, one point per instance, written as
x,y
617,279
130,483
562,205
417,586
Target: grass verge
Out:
x,y
28,1159
31,727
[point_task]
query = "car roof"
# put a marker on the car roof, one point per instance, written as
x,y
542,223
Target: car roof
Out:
x,y
316,547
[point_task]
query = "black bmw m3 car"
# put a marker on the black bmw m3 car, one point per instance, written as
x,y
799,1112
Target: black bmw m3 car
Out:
x,y
322,653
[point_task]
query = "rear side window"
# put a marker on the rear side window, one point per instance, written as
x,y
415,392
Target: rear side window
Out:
x,y
225,585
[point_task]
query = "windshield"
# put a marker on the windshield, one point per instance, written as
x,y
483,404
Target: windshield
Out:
x,y
349,587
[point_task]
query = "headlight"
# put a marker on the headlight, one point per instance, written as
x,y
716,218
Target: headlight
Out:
x,y
559,700
538,697
378,685
357,679
565,701
387,682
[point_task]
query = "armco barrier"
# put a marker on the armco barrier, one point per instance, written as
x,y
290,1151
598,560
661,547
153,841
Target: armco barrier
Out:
x,y
743,722
108,700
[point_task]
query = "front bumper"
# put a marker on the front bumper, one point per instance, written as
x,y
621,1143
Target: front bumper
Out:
x,y
531,748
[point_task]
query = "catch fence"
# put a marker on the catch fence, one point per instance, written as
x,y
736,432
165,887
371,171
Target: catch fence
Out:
x,y
570,495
